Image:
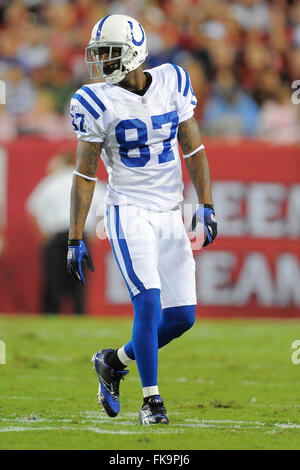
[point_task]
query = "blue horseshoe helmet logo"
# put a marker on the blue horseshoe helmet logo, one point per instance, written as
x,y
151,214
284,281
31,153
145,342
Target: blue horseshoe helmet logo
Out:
x,y
135,42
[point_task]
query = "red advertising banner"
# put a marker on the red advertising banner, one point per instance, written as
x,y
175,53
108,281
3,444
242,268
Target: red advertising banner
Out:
x,y
252,268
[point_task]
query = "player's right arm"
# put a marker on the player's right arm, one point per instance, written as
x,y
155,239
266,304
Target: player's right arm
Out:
x,y
87,159
86,116
84,180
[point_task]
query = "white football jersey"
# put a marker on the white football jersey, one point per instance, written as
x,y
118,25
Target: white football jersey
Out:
x,y
139,135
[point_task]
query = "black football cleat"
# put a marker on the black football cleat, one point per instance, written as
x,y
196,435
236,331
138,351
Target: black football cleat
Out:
x,y
153,412
109,382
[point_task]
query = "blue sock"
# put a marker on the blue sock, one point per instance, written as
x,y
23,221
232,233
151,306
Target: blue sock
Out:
x,y
174,321
144,341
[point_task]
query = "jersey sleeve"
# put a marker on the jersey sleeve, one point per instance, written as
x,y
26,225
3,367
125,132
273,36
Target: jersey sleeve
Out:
x,y
86,111
186,99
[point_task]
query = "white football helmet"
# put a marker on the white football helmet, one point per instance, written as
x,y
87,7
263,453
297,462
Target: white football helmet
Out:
x,y
118,45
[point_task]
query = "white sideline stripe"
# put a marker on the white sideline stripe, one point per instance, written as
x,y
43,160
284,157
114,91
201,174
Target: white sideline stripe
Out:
x,y
249,424
96,420
92,421
218,426
30,398
224,421
49,358
86,428
171,429
204,382
287,426
37,420
133,379
294,405
57,377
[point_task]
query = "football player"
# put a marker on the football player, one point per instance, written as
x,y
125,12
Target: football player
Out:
x,y
134,119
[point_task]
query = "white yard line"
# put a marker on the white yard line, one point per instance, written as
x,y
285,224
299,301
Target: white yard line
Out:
x,y
225,421
90,421
11,397
290,405
88,428
287,426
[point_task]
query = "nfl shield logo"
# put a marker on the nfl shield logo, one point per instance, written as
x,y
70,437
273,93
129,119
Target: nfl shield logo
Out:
x,y
144,100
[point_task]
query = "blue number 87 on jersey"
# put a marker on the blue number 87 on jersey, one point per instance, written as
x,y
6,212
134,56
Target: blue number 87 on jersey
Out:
x,y
75,118
142,136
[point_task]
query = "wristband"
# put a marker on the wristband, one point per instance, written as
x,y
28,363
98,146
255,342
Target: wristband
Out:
x,y
210,206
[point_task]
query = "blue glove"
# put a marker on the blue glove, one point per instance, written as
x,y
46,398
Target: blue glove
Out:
x,y
205,214
77,253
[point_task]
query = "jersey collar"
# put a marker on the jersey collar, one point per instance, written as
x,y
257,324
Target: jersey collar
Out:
x,y
139,94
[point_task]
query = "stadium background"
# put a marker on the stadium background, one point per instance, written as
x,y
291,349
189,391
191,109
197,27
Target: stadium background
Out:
x,y
243,58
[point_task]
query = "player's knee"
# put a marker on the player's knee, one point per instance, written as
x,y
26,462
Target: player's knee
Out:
x,y
147,306
187,324
178,320
183,318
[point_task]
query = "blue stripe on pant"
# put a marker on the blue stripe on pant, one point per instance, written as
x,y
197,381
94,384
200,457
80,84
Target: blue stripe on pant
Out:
x,y
114,250
120,241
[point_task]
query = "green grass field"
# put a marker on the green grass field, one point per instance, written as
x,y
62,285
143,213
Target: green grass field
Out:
x,y
226,385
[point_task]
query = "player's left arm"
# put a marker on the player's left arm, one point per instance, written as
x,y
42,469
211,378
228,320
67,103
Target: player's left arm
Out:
x,y
197,165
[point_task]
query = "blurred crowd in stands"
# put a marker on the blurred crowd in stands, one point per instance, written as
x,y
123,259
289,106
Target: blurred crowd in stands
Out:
x,y
242,56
